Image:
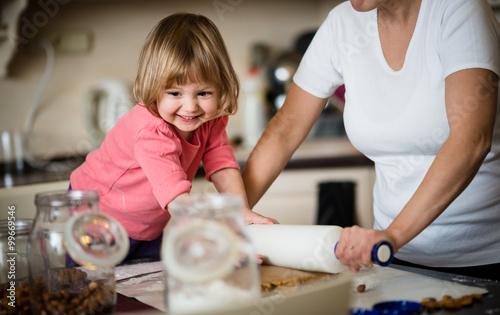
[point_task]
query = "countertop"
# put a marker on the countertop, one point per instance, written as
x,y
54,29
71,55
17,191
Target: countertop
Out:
x,y
489,304
328,152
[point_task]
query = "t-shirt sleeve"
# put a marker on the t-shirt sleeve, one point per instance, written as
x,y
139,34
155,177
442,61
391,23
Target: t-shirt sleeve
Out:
x,y
317,73
218,152
469,37
158,155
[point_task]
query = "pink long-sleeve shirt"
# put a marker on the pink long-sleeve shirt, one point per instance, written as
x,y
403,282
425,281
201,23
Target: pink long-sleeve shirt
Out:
x,y
143,164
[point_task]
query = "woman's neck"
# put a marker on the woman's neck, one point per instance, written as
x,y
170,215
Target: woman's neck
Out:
x,y
398,12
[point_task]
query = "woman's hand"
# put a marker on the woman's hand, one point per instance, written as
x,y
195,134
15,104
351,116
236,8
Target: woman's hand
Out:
x,y
255,218
356,244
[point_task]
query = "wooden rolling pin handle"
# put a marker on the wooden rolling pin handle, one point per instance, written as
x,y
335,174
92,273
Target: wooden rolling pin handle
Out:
x,y
382,253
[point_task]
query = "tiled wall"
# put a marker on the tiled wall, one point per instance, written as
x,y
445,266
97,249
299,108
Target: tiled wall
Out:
x,y
118,29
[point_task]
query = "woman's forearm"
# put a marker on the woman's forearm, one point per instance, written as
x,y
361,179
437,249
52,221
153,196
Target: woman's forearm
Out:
x,y
267,160
282,136
452,170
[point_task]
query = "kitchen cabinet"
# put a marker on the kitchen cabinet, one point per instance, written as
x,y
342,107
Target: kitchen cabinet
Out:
x,y
293,197
23,198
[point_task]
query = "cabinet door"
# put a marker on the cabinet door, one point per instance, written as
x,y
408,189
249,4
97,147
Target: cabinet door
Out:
x,y
293,197
22,198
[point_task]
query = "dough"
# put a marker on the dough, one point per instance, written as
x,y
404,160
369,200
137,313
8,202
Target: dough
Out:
x,y
276,279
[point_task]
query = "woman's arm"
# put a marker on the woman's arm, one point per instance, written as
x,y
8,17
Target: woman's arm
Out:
x,y
471,100
282,136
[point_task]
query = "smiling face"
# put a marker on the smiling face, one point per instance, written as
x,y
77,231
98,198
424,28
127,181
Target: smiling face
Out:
x,y
187,106
181,50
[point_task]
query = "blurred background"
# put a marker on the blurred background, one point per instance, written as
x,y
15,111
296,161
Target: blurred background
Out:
x,y
67,67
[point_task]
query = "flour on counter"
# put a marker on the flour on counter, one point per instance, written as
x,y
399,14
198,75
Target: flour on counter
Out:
x,y
386,284
128,271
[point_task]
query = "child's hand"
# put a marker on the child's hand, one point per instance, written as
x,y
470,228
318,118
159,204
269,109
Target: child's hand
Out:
x,y
255,218
260,259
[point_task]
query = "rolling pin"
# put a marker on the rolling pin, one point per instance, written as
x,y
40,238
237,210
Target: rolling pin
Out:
x,y
306,247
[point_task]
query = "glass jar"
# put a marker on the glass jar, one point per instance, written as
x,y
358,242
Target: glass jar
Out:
x,y
13,242
14,291
208,257
68,224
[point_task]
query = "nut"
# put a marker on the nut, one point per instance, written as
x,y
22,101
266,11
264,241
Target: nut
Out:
x,y
94,297
361,288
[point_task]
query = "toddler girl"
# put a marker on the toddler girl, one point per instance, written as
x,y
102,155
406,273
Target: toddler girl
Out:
x,y
185,87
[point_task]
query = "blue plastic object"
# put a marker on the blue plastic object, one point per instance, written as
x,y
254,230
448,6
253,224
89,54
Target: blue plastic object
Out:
x,y
398,308
380,256
382,253
361,311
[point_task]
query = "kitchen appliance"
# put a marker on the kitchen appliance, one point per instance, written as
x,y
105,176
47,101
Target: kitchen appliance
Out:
x,y
280,77
12,150
103,105
254,86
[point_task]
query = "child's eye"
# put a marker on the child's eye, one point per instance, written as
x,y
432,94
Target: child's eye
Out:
x,y
205,93
173,93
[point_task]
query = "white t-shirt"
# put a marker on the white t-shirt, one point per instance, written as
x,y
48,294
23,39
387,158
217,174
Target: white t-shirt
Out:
x,y
398,118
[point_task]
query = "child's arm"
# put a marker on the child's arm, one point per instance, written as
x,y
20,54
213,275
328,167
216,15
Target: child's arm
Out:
x,y
179,197
228,180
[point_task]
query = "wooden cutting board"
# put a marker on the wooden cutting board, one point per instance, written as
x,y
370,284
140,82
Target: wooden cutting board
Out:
x,y
276,279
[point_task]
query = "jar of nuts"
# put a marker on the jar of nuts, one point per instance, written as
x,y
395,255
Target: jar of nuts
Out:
x,y
14,292
68,224
13,242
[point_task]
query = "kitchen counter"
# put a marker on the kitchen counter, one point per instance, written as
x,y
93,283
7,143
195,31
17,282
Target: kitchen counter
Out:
x,y
452,284
488,305
330,152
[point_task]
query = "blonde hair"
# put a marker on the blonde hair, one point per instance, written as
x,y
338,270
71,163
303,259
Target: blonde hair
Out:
x,y
184,47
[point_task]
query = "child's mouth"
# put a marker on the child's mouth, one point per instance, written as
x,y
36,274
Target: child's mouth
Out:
x,y
189,118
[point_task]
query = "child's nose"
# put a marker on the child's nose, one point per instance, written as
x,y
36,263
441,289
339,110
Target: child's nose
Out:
x,y
191,104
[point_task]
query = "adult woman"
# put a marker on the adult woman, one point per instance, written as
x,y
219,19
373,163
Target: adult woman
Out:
x,y
421,81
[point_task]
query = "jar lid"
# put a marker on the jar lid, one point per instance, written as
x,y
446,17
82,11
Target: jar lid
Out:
x,y
21,226
94,239
63,198
200,251
398,308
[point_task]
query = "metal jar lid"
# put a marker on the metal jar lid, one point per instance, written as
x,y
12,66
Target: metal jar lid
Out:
x,y
64,198
22,227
